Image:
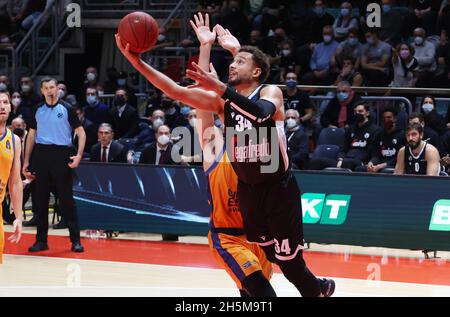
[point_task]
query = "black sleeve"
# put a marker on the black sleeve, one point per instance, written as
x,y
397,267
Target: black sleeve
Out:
x,y
300,153
261,109
73,118
143,159
134,126
33,123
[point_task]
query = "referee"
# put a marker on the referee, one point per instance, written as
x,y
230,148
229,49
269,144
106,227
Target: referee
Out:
x,y
49,145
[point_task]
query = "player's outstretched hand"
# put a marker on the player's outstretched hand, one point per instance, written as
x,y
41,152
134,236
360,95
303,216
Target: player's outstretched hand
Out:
x,y
17,235
206,80
132,57
227,40
202,29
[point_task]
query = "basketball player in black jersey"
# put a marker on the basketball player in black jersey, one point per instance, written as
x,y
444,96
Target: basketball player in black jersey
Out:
x,y
254,117
417,157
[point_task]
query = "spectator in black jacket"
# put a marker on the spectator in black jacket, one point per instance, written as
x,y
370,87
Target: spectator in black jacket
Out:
x,y
160,151
90,129
30,99
125,119
387,143
297,140
107,150
432,118
339,112
358,145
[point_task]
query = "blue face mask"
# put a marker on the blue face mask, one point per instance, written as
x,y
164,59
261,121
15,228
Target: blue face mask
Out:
x,y
386,8
320,11
352,41
185,110
121,82
345,12
291,83
91,99
370,40
342,96
427,107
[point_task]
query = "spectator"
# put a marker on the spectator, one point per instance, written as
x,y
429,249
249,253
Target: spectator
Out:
x,y
89,128
432,118
64,95
349,73
350,48
442,80
16,100
359,143
425,53
5,84
30,99
191,150
339,112
429,135
124,117
147,134
297,140
387,143
122,83
426,14
344,22
318,19
288,62
321,59
173,117
391,24
107,150
417,157
160,151
375,60
95,110
405,66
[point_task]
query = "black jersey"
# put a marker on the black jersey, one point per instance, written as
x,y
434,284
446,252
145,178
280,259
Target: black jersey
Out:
x,y
415,164
257,148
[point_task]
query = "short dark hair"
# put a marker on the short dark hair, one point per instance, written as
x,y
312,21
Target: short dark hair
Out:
x,y
390,109
48,79
415,115
260,59
430,97
364,104
415,126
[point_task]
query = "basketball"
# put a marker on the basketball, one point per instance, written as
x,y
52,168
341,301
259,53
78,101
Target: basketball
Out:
x,y
140,30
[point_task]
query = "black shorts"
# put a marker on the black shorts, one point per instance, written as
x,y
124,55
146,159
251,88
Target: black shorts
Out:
x,y
272,214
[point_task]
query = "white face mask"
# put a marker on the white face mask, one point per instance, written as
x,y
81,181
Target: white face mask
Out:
x,y
26,88
286,52
157,123
418,40
161,38
291,123
427,107
193,122
90,76
3,87
16,102
163,139
61,94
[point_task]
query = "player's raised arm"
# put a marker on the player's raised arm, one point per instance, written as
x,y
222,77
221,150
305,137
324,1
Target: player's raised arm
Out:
x,y
195,97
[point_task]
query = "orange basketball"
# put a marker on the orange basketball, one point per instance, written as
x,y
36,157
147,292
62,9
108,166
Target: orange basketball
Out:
x,y
140,30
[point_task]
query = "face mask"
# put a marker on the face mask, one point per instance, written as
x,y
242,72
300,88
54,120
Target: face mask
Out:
x,y
26,88
121,82
185,110
291,123
16,102
119,101
291,83
218,123
91,99
3,87
386,8
157,123
163,139
418,40
342,96
345,12
404,54
161,38
286,52
359,118
193,122
170,111
327,38
61,94
352,41
90,76
427,107
370,40
320,11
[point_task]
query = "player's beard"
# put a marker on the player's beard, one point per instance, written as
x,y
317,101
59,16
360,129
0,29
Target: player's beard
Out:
x,y
415,145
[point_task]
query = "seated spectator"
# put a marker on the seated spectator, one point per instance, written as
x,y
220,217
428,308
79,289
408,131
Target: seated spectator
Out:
x,y
5,84
173,117
358,145
90,129
429,135
124,117
297,140
320,63
16,100
349,73
191,151
350,48
318,19
417,157
344,22
65,96
107,150
375,60
90,80
339,112
160,151
288,62
405,66
95,110
122,83
387,143
30,99
432,118
298,100
391,24
425,53
425,12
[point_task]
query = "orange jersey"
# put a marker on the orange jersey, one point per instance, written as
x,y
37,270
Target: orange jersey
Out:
x,y
226,215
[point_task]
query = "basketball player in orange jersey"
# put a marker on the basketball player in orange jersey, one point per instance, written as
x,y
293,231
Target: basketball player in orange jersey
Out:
x,y
253,113
10,148
246,263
